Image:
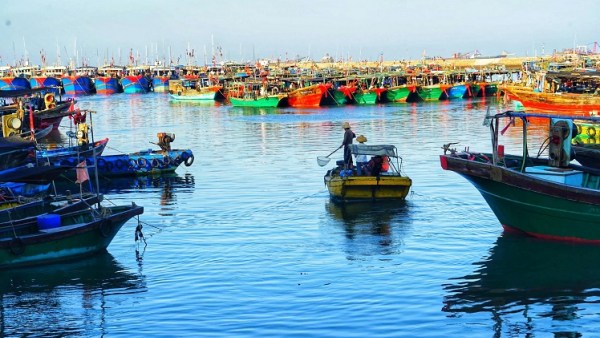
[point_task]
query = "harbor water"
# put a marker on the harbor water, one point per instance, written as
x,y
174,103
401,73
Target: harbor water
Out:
x,y
246,243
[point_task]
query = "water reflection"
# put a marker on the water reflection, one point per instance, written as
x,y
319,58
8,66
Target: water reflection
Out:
x,y
68,299
532,278
371,228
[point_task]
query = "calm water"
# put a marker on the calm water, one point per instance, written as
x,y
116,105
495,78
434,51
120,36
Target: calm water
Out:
x,y
245,242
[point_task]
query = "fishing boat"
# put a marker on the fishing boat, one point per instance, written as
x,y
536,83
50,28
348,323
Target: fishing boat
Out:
x,y
14,83
49,78
135,80
195,89
379,183
542,196
457,91
430,92
258,96
399,93
77,85
305,97
107,81
145,162
161,75
50,238
560,102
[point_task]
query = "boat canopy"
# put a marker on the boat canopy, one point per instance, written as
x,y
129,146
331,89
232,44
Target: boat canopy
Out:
x,y
374,150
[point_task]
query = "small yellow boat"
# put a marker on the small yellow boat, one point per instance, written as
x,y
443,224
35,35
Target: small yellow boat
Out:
x,y
373,184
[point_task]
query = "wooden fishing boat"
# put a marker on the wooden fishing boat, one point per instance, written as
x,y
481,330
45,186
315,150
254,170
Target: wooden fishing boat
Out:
x,y
457,91
560,102
50,238
549,197
430,92
78,85
145,162
257,95
346,185
14,83
399,93
306,97
251,100
366,96
194,89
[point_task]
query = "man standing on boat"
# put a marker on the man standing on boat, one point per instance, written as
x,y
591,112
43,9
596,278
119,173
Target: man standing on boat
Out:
x,y
348,137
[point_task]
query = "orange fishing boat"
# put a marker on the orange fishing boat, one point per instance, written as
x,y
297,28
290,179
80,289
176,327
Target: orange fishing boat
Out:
x,y
579,104
306,97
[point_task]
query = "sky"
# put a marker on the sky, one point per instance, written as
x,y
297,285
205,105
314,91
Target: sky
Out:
x,y
247,30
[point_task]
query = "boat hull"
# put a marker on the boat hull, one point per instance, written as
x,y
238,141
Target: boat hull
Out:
x,y
160,84
430,93
457,92
540,208
399,93
555,102
46,82
135,84
107,85
365,97
367,188
77,85
270,101
14,83
67,241
305,97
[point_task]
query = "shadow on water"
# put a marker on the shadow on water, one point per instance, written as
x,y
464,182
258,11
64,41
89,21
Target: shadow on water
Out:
x,y
530,277
40,301
371,227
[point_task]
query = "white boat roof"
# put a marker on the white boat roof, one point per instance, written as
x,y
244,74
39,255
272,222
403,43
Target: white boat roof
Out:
x,y
374,150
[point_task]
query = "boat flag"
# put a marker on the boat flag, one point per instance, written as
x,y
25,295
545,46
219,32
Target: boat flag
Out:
x,y
82,173
72,106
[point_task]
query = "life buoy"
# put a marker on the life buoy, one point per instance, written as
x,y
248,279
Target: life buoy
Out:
x,y
16,246
177,161
101,163
188,162
591,131
166,161
132,163
178,93
142,162
155,163
119,164
106,228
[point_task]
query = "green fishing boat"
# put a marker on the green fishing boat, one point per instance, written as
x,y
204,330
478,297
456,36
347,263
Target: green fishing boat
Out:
x,y
430,93
267,101
365,97
399,93
546,197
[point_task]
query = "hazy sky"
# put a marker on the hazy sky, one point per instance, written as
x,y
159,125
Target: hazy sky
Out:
x,y
286,29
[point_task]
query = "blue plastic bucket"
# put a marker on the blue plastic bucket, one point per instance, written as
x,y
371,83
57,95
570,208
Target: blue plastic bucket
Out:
x,y
48,221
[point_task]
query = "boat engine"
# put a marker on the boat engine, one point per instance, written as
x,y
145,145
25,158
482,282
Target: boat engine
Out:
x,y
559,148
82,134
164,140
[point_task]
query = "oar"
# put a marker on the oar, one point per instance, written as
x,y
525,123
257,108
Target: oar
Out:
x,y
323,160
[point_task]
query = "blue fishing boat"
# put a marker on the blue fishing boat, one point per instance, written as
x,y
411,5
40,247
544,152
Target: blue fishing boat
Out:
x,y
135,80
77,85
145,162
457,91
14,83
